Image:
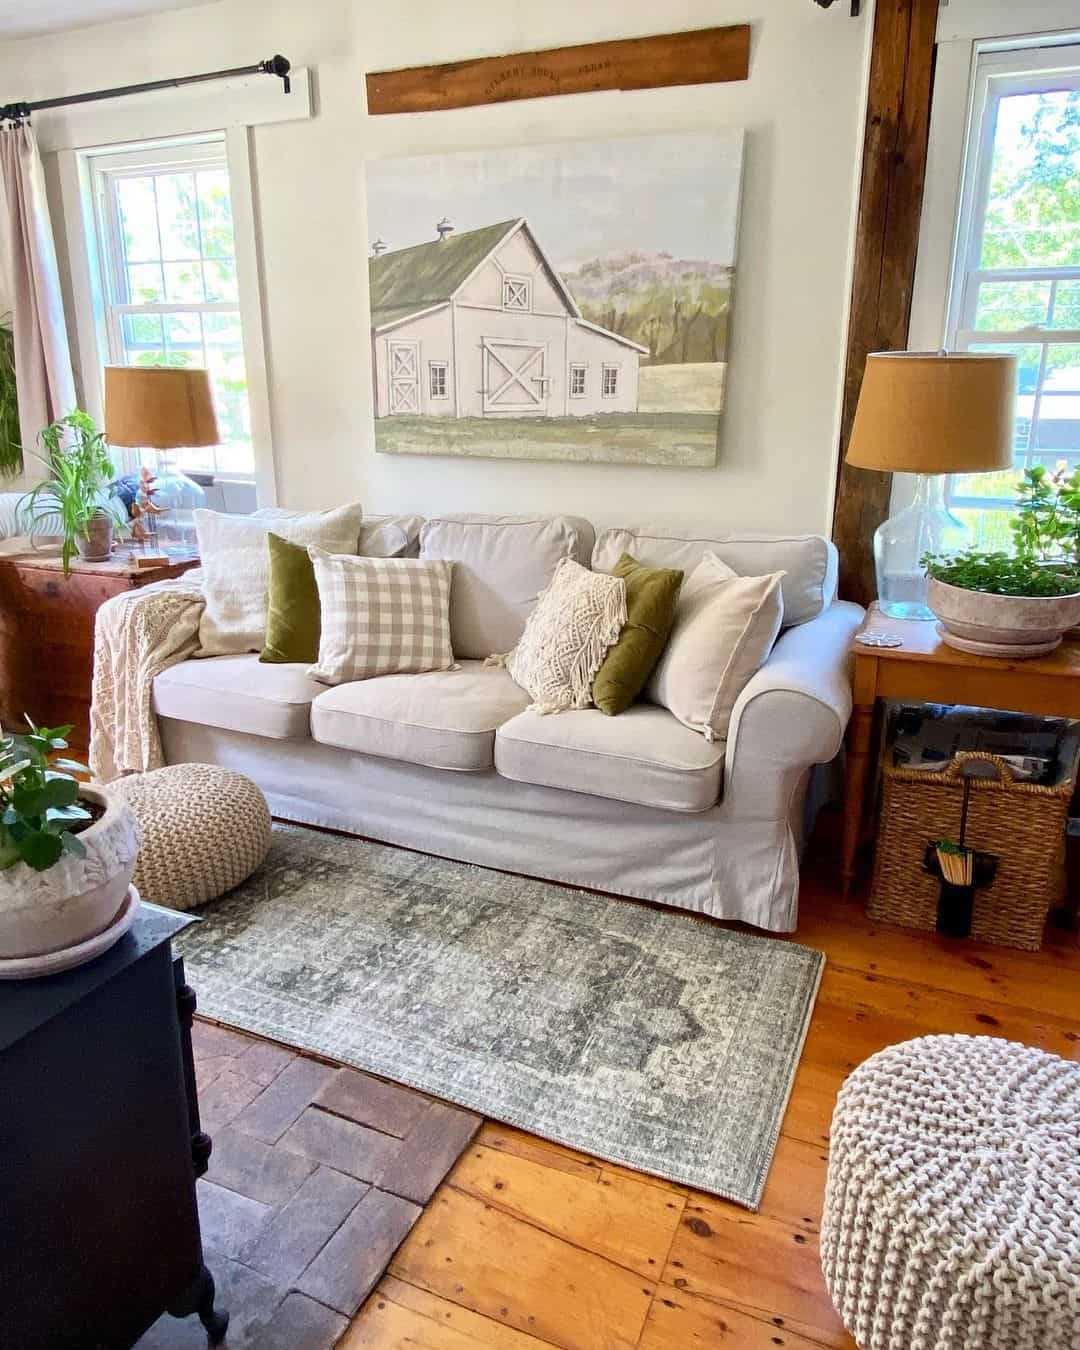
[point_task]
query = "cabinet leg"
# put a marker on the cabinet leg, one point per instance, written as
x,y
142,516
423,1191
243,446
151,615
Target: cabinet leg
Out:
x,y
858,772
199,1298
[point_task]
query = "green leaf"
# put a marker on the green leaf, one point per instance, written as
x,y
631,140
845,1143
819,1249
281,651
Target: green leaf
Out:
x,y
55,813
40,849
30,801
70,765
61,791
73,844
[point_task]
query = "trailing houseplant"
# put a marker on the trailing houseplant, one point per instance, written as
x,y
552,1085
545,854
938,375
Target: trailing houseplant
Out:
x,y
78,493
67,848
1000,573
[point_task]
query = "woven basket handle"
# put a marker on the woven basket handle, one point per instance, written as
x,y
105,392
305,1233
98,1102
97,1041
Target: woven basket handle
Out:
x,y
955,769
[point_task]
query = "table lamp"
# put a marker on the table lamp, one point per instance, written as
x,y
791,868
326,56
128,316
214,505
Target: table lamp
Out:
x,y
164,408
929,414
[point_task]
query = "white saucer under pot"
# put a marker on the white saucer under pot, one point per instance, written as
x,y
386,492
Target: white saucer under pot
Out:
x,y
52,963
79,897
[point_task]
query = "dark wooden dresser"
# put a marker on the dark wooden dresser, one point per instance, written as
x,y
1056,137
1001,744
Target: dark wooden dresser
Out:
x,y
100,1147
47,633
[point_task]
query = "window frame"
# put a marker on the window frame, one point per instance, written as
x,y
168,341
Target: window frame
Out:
x,y
611,368
87,280
578,368
443,367
1001,72
524,285
106,172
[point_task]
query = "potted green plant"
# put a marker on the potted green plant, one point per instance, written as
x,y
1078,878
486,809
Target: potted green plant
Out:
x,y
11,460
1000,604
78,493
1016,604
67,849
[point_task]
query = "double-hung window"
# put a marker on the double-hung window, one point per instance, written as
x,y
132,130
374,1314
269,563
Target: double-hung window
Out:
x,y
169,287
1016,277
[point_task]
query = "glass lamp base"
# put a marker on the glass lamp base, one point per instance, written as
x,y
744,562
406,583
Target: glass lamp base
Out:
x,y
925,526
905,609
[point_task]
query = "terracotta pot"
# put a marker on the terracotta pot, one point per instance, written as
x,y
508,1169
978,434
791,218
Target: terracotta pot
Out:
x,y
79,897
96,545
1001,625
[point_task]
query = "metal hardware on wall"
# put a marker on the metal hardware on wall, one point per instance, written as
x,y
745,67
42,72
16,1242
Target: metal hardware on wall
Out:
x,y
273,65
856,6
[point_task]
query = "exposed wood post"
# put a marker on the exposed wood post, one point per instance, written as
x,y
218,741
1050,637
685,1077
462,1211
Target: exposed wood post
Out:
x,y
890,208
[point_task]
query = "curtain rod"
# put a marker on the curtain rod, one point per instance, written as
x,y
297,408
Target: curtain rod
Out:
x,y
274,65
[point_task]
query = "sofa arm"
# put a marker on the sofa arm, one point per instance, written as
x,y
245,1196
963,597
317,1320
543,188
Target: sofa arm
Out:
x,y
790,715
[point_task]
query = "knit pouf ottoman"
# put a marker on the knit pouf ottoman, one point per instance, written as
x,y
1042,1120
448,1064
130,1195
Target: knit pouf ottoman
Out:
x,y
205,829
952,1209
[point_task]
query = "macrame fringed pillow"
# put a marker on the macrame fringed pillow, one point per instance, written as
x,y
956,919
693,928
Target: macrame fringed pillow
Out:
x,y
577,618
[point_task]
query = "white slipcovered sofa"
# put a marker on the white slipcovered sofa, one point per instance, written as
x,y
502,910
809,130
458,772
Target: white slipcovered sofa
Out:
x,y
452,763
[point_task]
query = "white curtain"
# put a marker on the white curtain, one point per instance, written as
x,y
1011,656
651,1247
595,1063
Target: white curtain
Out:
x,y
46,387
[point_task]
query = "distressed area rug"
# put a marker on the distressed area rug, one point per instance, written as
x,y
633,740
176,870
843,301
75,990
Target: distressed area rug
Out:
x,y
639,1035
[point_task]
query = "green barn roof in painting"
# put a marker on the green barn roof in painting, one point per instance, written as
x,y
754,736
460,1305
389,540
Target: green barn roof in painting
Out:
x,y
414,279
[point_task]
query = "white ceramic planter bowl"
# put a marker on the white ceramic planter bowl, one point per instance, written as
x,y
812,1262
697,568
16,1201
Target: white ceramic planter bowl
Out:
x,y
79,897
1023,625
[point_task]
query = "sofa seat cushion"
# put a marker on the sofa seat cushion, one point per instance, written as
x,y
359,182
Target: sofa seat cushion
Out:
x,y
645,755
444,719
239,693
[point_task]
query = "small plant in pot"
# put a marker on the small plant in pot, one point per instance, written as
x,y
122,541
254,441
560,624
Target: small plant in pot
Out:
x,y
999,604
76,499
67,849
1018,605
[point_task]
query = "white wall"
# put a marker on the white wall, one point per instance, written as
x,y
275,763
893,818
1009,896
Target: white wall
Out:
x,y
802,109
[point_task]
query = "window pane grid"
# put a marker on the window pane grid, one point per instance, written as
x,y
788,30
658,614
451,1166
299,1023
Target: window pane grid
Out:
x,y
173,292
1021,291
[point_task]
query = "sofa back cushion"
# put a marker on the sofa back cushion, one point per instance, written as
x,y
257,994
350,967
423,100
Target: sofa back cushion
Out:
x,y
390,536
502,563
810,560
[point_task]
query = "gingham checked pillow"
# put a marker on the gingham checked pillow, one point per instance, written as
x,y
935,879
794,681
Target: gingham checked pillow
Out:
x,y
381,616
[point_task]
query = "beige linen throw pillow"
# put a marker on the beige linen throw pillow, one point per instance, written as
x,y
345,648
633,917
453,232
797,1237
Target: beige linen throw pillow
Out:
x,y
381,616
236,569
725,627
577,617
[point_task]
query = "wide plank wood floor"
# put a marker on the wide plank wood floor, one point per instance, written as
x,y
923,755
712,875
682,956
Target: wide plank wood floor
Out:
x,y
528,1244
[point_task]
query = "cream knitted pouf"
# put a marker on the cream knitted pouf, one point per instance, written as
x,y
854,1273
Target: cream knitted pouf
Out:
x,y
205,829
952,1209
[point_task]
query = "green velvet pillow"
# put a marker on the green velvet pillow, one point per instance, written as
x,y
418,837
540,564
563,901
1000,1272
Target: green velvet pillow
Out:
x,y
651,594
293,615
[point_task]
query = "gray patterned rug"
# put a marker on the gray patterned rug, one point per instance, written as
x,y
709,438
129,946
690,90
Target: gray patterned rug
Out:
x,y
636,1034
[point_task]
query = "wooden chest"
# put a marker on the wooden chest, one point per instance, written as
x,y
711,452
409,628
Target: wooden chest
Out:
x,y
47,633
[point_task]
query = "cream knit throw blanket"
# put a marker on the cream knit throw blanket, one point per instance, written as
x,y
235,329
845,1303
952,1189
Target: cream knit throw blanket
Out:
x,y
136,636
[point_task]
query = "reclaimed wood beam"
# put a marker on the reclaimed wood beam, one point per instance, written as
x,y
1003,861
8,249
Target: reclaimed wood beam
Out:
x,y
702,56
887,237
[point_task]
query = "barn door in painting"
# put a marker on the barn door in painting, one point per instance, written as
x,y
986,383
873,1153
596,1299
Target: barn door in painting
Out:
x,y
515,376
404,377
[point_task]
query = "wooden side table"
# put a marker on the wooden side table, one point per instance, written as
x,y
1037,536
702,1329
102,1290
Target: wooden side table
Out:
x,y
47,632
925,670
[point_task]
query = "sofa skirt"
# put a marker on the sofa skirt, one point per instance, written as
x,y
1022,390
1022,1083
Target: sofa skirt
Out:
x,y
734,869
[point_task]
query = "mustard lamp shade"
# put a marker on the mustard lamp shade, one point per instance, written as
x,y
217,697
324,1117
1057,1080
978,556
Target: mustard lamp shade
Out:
x,y
159,407
935,412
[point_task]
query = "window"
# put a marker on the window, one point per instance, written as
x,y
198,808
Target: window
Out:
x,y
1016,279
437,379
169,286
610,386
577,381
517,293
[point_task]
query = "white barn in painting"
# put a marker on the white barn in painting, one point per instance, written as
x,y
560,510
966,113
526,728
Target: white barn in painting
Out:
x,y
480,324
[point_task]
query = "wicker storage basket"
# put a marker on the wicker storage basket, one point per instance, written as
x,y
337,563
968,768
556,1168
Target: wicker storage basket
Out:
x,y
1021,824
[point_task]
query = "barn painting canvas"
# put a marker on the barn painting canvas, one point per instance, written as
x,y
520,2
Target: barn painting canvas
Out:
x,y
566,301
